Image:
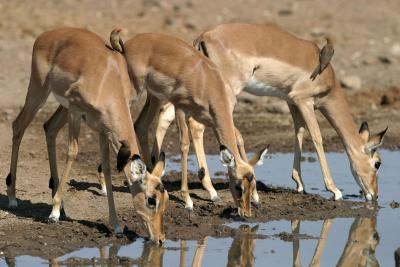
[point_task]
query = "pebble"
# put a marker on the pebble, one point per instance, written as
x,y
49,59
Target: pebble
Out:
x,y
395,50
351,82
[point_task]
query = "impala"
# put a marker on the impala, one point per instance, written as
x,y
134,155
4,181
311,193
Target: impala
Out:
x,y
172,71
91,83
264,60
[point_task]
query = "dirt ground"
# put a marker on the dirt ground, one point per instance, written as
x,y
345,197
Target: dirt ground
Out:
x,y
366,34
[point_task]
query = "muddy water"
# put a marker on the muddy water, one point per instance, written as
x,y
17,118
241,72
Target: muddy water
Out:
x,y
338,241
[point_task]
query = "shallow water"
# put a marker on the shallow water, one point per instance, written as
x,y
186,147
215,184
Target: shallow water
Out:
x,y
344,241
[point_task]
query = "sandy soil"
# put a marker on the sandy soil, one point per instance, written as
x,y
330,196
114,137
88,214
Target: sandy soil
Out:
x,y
365,32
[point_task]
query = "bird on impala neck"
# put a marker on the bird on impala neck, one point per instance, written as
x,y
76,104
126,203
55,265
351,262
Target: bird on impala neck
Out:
x,y
324,58
115,40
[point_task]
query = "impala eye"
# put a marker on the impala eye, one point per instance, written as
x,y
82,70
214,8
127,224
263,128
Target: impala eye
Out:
x,y
151,202
377,165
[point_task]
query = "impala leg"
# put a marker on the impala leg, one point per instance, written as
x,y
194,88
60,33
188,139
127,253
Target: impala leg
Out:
x,y
105,164
102,181
35,99
142,126
316,259
299,126
255,199
197,130
51,129
166,117
74,123
307,110
182,257
184,143
296,243
198,255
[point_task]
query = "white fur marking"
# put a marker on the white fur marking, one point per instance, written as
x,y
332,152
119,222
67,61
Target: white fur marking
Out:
x,y
261,160
255,87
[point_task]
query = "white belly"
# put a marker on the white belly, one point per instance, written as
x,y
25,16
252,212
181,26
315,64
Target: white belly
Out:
x,y
62,100
258,88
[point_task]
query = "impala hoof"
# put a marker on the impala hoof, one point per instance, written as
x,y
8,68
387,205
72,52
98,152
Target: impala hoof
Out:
x,y
338,194
119,232
53,220
12,204
256,204
103,193
217,200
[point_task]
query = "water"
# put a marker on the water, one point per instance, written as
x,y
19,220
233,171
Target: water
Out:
x,y
344,241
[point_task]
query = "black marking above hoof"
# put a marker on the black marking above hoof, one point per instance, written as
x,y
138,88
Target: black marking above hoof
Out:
x,y
8,179
51,183
201,173
99,169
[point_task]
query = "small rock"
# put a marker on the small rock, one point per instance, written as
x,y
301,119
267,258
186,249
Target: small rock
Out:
x,y
168,21
318,32
352,82
395,50
190,26
385,101
278,107
285,12
394,204
385,60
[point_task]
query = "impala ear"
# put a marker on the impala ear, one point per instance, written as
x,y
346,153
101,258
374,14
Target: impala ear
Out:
x,y
258,158
375,141
138,168
364,131
123,155
226,157
160,166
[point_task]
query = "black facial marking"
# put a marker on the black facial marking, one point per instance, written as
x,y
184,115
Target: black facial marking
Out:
x,y
99,169
249,177
201,173
377,164
153,160
151,201
124,153
160,187
135,157
8,179
204,48
222,147
51,183
239,190
364,127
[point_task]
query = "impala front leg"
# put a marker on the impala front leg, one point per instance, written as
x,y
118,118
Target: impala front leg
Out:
x,y
74,123
316,259
197,130
299,126
307,110
166,117
105,163
185,143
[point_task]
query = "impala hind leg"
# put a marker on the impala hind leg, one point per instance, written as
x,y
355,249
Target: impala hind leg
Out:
x,y
255,199
185,143
307,110
105,163
299,126
35,98
51,129
74,123
166,117
197,131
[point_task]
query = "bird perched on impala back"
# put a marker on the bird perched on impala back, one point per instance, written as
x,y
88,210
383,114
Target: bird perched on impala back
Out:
x,y
115,40
324,58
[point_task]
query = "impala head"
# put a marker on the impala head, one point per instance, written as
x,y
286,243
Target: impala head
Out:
x,y
366,167
149,196
242,180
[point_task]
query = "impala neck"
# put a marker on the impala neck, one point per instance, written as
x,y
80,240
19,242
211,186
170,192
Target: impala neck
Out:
x,y
337,111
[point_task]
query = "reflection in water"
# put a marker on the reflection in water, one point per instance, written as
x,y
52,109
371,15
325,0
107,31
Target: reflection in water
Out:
x,y
241,251
358,251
